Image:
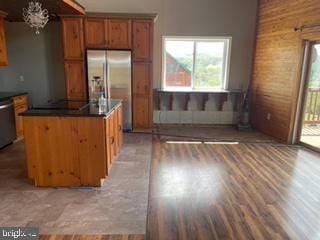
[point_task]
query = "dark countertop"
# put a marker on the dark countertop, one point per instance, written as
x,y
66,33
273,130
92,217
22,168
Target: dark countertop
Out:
x,y
65,108
8,95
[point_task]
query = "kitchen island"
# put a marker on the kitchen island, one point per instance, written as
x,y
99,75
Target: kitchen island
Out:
x,y
72,143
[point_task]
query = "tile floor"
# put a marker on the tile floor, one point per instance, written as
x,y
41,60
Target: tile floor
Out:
x,y
119,207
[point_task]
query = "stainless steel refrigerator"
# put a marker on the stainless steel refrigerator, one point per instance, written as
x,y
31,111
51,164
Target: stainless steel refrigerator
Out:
x,y
109,72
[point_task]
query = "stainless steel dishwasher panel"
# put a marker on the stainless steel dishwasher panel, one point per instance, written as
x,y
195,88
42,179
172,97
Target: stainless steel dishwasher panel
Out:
x,y
7,123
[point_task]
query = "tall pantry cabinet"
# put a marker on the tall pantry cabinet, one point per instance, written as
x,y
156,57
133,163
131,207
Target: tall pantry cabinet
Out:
x,y
142,73
74,58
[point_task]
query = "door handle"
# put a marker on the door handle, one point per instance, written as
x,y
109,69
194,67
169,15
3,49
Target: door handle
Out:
x,y
6,106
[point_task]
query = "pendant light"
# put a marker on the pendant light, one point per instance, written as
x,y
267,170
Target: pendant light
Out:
x,y
35,16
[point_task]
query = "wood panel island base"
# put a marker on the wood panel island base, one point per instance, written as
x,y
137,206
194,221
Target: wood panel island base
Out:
x,y
72,148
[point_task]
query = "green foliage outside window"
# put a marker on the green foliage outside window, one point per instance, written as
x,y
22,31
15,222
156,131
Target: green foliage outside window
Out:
x,y
315,74
208,70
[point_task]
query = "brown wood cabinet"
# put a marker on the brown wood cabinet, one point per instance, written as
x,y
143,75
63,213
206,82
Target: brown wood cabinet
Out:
x,y
20,106
96,33
141,79
3,45
112,136
70,151
108,145
120,127
107,33
142,40
75,80
74,55
65,151
73,38
142,31
119,33
116,131
114,139
141,112
142,95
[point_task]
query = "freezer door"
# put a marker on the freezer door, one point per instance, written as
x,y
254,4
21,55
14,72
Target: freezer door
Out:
x,y
97,81
119,82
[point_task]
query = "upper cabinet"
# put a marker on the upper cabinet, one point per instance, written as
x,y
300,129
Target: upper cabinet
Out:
x,y
107,33
73,38
96,33
142,40
119,33
3,46
74,55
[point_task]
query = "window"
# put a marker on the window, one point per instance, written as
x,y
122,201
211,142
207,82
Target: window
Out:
x,y
195,63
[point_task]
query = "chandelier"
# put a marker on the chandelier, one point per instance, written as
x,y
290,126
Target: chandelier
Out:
x,y
35,16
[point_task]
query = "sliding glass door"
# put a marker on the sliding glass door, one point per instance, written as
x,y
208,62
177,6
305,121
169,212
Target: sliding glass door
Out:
x,y
310,120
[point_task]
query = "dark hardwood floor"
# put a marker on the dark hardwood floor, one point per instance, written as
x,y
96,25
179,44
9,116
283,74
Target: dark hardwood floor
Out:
x,y
256,189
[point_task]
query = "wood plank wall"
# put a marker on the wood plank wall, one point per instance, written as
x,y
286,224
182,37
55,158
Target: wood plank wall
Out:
x,y
277,64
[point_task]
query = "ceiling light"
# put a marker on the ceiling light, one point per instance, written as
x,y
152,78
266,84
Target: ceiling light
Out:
x,y
35,16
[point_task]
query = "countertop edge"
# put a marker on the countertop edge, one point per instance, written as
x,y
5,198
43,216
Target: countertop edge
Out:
x,y
74,113
12,95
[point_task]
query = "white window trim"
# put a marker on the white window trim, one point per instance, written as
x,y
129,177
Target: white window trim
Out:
x,y
227,55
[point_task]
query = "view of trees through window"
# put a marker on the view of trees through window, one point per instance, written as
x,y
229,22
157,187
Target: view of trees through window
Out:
x,y
312,108
199,64
315,70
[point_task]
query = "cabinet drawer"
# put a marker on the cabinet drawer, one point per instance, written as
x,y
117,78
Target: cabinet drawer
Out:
x,y
20,100
21,109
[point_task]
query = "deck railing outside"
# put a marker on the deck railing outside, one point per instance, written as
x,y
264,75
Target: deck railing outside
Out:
x,y
312,110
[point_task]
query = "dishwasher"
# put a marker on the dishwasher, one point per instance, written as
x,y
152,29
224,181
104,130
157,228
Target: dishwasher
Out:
x,y
7,123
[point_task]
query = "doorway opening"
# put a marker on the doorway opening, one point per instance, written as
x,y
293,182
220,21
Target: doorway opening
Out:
x,y
310,119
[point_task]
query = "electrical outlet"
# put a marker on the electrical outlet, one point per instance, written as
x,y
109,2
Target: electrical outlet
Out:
x,y
269,116
21,78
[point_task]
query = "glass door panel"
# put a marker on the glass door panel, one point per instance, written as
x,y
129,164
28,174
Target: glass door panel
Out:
x,y
310,130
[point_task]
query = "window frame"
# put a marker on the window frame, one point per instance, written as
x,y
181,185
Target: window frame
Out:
x,y
226,62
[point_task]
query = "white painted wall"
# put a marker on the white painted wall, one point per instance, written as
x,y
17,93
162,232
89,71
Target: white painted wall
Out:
x,y
235,18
